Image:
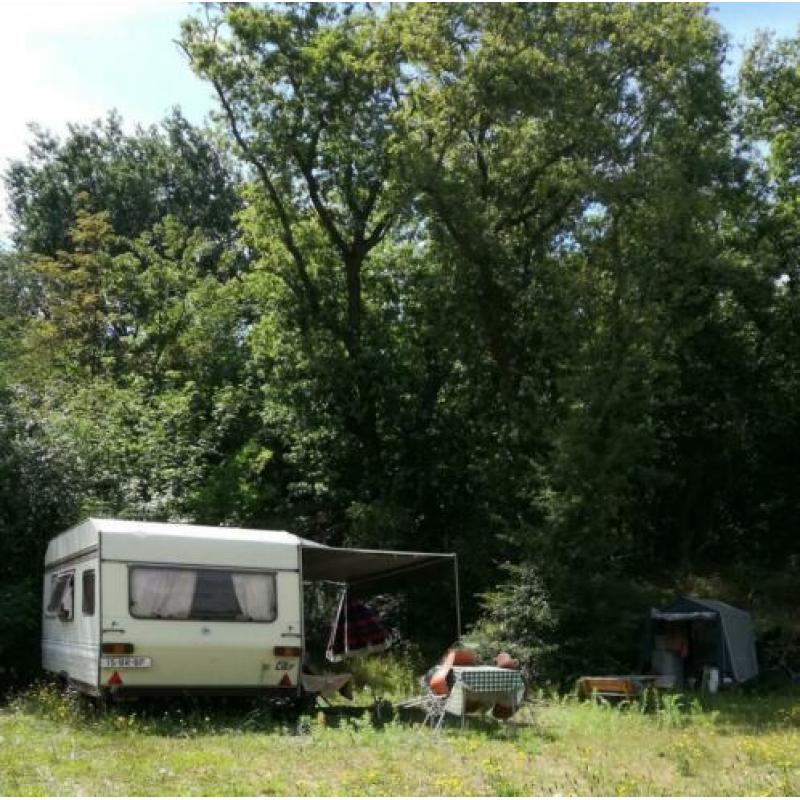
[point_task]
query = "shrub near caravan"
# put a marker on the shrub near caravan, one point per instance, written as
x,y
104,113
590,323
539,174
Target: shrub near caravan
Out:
x,y
136,608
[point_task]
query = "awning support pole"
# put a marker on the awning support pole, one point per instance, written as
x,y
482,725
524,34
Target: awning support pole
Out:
x,y
458,598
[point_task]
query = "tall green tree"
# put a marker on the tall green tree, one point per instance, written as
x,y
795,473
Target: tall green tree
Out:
x,y
136,178
309,95
770,106
514,280
569,158
129,326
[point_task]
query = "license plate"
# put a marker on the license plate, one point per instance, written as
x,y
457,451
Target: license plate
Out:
x,y
126,662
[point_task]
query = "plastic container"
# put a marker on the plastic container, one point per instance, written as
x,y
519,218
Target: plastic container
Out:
x,y
711,679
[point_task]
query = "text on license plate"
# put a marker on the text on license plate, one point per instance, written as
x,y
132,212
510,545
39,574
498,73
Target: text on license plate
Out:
x,y
128,662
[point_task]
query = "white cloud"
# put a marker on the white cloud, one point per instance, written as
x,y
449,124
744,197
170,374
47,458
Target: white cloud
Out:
x,y
66,62
38,83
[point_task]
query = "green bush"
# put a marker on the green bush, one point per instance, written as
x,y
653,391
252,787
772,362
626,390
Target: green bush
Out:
x,y
20,646
518,619
384,676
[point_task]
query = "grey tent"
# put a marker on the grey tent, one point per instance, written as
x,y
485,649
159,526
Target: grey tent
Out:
x,y
717,635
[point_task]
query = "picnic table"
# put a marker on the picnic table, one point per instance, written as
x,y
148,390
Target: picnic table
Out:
x,y
482,688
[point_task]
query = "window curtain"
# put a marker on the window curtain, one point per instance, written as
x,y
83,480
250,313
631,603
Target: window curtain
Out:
x,y
157,592
256,595
68,597
57,586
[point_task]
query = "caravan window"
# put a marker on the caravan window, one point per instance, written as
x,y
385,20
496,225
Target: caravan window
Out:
x,y
62,592
206,594
87,596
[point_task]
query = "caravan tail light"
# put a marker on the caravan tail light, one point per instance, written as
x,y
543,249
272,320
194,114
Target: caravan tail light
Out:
x,y
117,648
286,681
288,652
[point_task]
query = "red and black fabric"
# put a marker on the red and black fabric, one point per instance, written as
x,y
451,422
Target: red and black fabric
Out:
x,y
357,630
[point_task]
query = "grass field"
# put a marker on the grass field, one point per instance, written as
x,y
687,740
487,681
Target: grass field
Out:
x,y
732,744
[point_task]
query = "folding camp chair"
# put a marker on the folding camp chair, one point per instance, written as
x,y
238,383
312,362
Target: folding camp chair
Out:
x,y
434,706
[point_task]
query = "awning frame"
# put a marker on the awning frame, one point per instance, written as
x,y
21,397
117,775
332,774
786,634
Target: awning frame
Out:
x,y
424,561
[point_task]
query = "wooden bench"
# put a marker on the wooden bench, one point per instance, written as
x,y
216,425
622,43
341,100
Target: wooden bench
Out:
x,y
612,686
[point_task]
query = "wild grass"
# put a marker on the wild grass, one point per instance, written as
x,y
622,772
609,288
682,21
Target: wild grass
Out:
x,y
726,745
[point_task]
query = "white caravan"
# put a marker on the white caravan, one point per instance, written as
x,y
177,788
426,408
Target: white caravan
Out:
x,y
135,608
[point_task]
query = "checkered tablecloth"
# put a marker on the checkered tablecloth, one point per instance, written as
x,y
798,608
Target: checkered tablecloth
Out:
x,y
482,687
489,679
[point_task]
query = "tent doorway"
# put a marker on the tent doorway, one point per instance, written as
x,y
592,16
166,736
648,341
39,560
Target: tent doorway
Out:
x,y
692,636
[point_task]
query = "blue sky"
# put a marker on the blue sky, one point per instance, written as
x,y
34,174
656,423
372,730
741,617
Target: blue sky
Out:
x,y
72,61
64,62
741,20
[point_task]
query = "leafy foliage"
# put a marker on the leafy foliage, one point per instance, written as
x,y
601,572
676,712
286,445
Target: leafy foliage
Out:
x,y
516,280
518,619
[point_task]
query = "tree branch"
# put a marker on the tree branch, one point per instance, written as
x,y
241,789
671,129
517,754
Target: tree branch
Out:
x,y
287,235
326,218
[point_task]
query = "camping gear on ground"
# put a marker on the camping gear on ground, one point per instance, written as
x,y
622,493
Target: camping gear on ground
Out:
x,y
666,682
433,706
505,661
692,635
668,664
357,630
479,688
326,685
441,678
460,657
623,687
438,680
467,688
710,680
